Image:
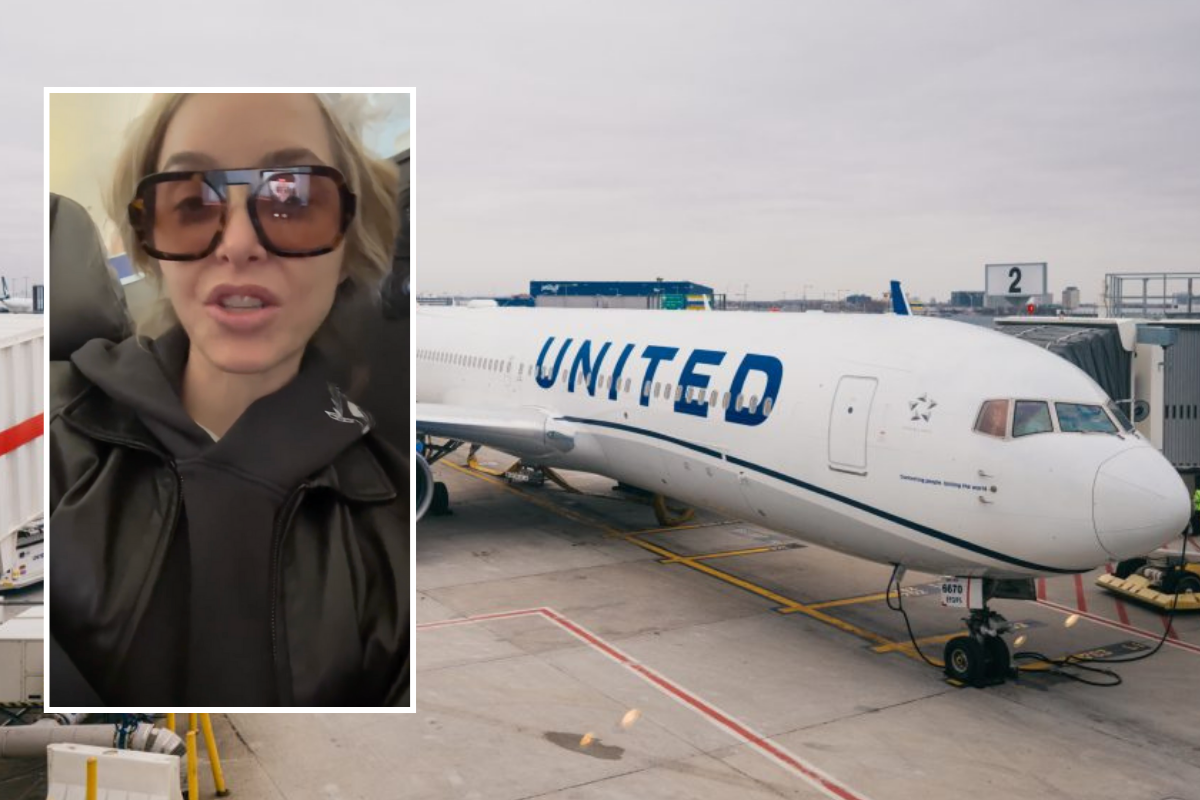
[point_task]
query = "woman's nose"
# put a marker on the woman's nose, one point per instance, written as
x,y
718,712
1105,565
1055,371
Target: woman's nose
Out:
x,y
239,241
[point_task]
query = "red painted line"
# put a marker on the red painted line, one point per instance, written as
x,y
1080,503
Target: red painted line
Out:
x,y
446,623
1121,612
1080,600
1154,637
776,752
1166,620
1041,589
1117,601
21,434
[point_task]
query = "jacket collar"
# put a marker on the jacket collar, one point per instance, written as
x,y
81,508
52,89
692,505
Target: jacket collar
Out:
x,y
356,474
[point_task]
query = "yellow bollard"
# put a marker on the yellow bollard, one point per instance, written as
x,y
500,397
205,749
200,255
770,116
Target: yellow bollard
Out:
x,y
193,777
192,726
92,788
210,744
171,722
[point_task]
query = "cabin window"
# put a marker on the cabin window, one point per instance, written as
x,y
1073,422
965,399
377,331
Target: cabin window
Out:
x,y
657,389
753,403
993,418
628,381
725,401
1079,418
646,389
768,404
1031,416
678,393
712,399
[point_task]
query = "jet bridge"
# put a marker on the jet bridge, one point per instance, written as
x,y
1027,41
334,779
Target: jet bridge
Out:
x,y
1151,368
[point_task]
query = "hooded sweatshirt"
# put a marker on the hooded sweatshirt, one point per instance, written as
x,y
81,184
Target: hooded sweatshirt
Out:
x,y
211,609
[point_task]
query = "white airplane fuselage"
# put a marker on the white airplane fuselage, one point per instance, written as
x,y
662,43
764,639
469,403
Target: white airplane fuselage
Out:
x,y
867,444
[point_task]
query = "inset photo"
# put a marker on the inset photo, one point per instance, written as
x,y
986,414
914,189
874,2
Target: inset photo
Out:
x,y
229,423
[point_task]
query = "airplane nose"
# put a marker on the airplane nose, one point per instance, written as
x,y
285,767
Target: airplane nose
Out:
x,y
1138,503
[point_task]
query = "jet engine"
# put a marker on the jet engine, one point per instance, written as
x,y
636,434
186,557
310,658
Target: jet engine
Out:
x,y
425,484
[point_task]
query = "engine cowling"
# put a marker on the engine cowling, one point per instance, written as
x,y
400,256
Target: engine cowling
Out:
x,y
424,485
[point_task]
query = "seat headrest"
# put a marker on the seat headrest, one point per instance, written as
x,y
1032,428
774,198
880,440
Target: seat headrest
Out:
x,y
86,299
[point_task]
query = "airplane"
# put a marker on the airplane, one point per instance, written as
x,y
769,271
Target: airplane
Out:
x,y
916,442
23,556
14,305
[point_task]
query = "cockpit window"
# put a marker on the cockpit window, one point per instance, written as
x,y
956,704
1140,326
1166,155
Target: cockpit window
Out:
x,y
1078,418
1031,416
993,418
1120,417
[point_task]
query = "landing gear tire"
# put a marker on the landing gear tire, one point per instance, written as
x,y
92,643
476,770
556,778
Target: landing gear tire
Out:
x,y
1126,568
439,506
965,660
1180,581
998,665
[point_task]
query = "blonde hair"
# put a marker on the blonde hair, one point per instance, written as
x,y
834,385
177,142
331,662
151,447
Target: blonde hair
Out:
x,y
368,245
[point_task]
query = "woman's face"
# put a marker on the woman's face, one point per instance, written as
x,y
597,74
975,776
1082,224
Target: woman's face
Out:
x,y
231,131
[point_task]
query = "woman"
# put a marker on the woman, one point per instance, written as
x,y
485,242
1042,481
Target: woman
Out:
x,y
227,530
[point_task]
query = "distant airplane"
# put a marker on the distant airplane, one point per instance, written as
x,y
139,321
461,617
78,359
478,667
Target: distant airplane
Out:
x,y
910,441
14,305
23,556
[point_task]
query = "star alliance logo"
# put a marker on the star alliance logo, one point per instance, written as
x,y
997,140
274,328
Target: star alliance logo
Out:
x,y
342,404
922,408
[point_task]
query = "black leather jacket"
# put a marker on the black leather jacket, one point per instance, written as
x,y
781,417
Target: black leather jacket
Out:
x,y
340,582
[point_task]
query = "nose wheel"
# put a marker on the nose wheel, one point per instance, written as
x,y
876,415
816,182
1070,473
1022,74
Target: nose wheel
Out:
x,y
981,658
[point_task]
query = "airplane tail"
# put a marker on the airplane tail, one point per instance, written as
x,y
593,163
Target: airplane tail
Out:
x,y
3,288
900,304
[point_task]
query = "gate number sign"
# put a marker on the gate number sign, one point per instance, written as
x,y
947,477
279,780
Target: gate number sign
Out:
x,y
1015,280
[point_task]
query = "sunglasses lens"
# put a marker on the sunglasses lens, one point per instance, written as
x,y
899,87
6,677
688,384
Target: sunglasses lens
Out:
x,y
185,216
299,212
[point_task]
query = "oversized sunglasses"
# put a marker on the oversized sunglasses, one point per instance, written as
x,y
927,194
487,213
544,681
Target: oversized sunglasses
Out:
x,y
296,211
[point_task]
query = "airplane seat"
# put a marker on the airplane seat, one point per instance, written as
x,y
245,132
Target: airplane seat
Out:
x,y
86,299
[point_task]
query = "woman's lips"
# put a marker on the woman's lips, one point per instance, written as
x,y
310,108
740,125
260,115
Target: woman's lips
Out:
x,y
242,320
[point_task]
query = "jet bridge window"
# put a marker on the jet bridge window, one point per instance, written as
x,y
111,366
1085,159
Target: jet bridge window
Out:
x,y
993,418
1079,418
1031,416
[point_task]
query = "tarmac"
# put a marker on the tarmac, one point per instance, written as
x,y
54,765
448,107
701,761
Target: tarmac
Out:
x,y
570,647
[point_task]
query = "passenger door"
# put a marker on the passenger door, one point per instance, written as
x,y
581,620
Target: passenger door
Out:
x,y
848,422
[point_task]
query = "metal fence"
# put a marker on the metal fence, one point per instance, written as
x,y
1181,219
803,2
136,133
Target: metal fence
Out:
x,y
1152,294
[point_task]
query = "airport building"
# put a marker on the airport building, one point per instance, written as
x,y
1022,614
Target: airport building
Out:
x,y
667,295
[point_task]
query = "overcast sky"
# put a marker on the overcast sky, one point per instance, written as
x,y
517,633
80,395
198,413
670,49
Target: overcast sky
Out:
x,y
766,147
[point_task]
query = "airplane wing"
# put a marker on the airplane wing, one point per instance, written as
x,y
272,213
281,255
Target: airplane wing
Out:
x,y
527,432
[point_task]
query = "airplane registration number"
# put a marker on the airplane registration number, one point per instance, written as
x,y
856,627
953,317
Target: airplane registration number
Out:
x,y
962,592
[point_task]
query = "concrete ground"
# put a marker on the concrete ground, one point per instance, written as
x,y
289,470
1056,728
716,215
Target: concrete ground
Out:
x,y
569,648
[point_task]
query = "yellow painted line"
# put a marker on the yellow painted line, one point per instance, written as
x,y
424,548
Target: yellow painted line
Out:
x,y
538,501
851,601
786,604
749,551
940,639
673,528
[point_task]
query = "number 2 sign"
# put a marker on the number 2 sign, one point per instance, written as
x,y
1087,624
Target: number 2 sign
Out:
x,y
1015,281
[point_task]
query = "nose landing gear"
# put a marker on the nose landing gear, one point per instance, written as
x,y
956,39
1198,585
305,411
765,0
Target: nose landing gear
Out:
x,y
981,658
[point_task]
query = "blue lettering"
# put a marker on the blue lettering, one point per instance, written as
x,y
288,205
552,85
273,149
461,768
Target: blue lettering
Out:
x,y
655,354
754,362
547,380
691,379
616,381
591,369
